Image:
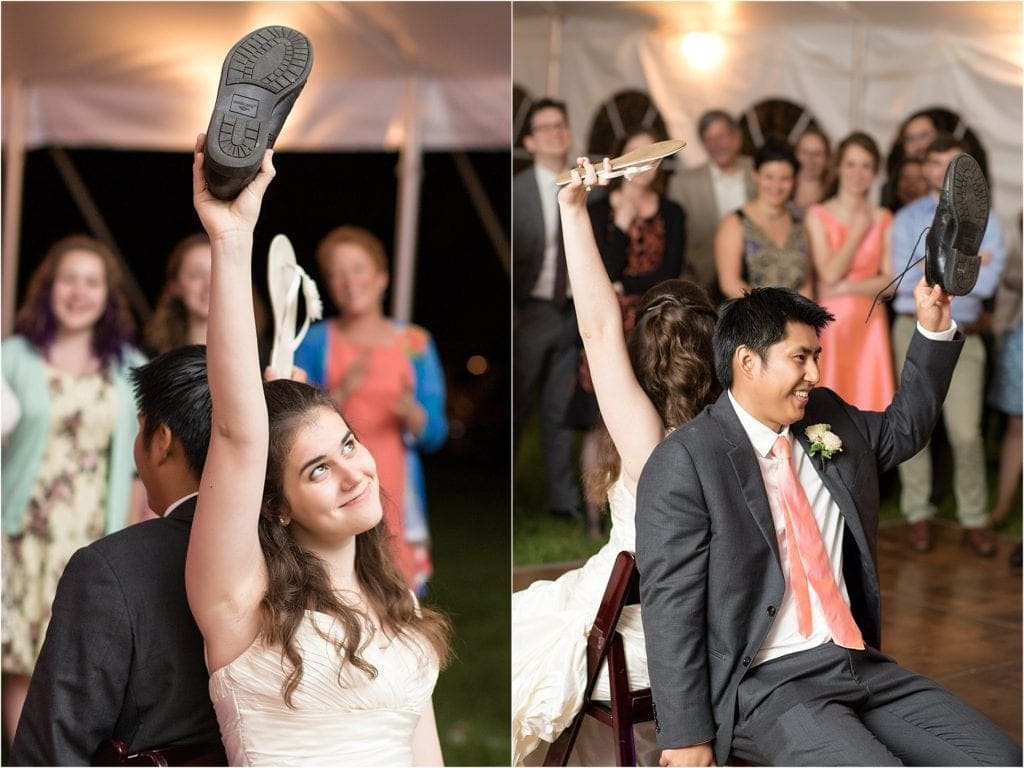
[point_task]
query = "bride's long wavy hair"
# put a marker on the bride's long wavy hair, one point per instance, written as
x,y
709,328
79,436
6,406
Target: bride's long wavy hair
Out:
x,y
298,579
671,351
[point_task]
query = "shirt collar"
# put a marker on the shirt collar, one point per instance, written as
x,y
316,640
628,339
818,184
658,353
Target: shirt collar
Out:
x,y
544,175
178,503
762,437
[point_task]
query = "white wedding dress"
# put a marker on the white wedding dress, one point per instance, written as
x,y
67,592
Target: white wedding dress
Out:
x,y
550,622
359,721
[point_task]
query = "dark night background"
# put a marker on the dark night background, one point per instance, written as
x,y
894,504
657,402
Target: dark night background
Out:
x,y
462,296
461,288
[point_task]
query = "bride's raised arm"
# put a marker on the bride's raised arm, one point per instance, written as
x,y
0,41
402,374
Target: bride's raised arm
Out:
x,y
225,573
630,417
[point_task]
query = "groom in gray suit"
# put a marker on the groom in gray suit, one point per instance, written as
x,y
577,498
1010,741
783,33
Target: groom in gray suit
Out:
x,y
744,658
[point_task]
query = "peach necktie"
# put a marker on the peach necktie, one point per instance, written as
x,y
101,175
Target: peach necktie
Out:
x,y
808,561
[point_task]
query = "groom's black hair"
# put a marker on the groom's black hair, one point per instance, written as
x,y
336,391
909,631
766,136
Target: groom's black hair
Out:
x,y
757,320
172,389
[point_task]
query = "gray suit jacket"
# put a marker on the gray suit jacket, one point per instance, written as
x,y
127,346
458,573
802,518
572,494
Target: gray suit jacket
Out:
x,y
528,234
123,657
694,190
710,574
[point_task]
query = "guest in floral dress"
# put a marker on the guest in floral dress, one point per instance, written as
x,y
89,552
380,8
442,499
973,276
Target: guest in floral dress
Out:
x,y
387,380
68,468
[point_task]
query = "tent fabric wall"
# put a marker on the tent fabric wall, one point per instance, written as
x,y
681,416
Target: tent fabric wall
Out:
x,y
144,75
853,70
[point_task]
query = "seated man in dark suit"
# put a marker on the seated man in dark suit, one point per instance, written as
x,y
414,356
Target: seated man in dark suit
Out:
x,y
756,537
123,657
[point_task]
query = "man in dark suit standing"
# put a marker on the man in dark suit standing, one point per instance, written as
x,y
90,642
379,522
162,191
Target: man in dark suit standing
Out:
x,y
544,334
123,657
756,544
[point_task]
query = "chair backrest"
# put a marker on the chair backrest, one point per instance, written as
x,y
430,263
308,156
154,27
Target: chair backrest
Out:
x,y
605,644
623,589
115,752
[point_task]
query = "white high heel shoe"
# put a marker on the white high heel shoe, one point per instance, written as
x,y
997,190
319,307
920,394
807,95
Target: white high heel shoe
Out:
x,y
284,279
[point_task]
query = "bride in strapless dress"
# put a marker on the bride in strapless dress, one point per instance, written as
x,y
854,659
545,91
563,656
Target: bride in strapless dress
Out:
x,y
319,654
660,379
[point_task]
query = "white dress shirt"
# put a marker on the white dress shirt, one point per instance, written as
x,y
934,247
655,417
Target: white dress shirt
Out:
x,y
784,637
730,189
544,288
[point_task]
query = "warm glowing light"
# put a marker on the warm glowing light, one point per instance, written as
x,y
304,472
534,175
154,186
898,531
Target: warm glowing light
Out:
x,y
703,50
477,365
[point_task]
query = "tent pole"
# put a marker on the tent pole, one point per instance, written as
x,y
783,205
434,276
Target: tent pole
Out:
x,y
410,172
554,53
857,77
14,176
98,227
484,209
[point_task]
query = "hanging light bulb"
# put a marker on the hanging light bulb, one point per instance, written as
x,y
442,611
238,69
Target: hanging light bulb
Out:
x,y
703,50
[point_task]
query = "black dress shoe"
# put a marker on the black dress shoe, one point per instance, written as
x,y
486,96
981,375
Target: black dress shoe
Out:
x,y
259,82
951,247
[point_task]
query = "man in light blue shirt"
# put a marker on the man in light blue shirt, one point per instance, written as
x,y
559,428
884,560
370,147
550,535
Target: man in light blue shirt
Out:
x,y
963,406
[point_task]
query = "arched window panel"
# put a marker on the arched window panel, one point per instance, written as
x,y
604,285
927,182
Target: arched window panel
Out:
x,y
778,119
945,120
621,115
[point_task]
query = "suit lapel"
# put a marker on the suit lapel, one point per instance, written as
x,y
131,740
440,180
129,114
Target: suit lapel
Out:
x,y
748,471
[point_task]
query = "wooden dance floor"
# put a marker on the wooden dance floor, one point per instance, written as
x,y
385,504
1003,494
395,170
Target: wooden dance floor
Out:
x,y
947,614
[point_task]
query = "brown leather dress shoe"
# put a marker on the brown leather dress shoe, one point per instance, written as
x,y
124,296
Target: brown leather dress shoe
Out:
x,y
919,536
980,541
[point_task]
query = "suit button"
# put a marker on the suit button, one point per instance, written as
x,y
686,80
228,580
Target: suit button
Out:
x,y
746,661
771,610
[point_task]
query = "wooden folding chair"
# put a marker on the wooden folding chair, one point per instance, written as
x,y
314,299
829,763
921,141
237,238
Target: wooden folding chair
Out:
x,y
115,752
625,708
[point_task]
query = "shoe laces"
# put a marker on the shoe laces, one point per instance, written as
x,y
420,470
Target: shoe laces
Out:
x,y
911,263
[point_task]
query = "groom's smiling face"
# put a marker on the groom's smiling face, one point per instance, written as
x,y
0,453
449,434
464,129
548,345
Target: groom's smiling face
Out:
x,y
776,388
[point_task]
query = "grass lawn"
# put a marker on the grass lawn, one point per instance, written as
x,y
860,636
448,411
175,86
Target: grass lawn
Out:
x,y
540,538
472,583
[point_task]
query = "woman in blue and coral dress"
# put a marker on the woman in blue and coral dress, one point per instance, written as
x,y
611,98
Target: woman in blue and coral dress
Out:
x,y
387,380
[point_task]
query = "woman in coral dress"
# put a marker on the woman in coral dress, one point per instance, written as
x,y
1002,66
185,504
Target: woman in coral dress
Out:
x,y
849,240
386,377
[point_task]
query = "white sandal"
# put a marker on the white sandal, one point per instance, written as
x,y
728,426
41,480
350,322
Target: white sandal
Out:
x,y
284,278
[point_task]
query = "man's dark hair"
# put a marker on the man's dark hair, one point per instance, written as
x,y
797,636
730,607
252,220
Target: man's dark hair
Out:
x,y
945,142
544,103
713,116
757,320
172,389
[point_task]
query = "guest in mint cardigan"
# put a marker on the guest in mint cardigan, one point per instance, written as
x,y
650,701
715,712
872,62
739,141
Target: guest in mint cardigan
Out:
x,y
68,466
387,380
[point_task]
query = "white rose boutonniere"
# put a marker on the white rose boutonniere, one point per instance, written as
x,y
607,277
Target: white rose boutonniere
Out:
x,y
823,441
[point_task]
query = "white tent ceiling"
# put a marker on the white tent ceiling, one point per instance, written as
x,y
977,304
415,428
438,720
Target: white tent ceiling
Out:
x,y
855,65
143,75
403,76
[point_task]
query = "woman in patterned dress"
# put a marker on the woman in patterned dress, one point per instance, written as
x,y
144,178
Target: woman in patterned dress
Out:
x,y
68,466
762,244
386,377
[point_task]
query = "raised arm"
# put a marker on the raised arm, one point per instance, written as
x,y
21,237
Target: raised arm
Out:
x,y
631,419
225,573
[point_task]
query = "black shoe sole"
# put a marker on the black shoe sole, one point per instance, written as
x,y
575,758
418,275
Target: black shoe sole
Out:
x,y
262,76
965,198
